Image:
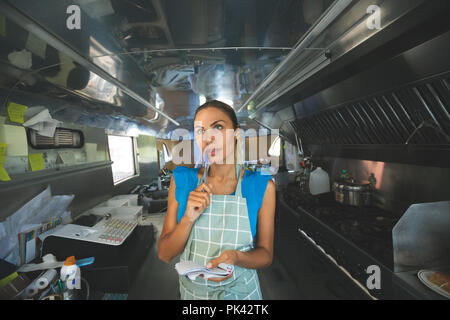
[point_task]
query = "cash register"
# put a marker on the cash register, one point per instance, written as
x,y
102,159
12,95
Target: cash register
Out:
x,y
109,232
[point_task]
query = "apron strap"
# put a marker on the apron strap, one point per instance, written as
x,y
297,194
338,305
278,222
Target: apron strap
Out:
x,y
238,191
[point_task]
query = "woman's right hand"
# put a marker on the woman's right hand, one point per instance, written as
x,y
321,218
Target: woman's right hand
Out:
x,y
197,202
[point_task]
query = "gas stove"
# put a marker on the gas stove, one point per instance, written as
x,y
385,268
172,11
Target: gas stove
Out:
x,y
355,237
368,228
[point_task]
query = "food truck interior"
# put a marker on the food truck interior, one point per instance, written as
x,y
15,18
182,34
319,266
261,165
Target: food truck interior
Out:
x,y
350,98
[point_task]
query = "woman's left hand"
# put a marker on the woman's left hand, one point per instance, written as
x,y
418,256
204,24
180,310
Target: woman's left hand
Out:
x,y
228,256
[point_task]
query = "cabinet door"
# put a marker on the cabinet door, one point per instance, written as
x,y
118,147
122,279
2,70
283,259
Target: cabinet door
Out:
x,y
305,267
289,249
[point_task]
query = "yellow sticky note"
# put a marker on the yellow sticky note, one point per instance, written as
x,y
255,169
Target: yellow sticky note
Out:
x,y
36,161
4,175
2,153
16,111
2,25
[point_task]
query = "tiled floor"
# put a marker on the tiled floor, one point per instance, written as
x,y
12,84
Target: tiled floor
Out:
x,y
158,280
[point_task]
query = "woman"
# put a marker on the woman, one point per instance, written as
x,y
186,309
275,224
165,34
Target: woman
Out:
x,y
214,215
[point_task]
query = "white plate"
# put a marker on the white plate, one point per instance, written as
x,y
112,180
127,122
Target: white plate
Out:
x,y
424,276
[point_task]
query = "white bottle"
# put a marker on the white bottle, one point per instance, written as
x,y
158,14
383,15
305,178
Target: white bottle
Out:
x,y
71,274
319,182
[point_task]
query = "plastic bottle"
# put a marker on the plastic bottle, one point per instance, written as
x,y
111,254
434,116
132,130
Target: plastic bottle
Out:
x,y
71,278
319,182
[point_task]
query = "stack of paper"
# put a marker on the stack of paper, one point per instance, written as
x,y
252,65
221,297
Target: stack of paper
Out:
x,y
192,270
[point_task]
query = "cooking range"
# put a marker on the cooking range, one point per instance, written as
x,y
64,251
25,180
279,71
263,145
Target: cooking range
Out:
x,y
367,227
355,237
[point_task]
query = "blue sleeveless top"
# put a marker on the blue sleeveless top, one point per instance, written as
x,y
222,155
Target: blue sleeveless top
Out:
x,y
253,188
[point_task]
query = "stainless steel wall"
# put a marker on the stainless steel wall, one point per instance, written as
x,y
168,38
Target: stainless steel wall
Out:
x,y
90,183
398,185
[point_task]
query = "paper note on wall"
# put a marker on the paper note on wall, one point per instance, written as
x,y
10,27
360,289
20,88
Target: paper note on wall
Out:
x,y
16,112
39,119
91,152
36,161
2,153
15,138
4,176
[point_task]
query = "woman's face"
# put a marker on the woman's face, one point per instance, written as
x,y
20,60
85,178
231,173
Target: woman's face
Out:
x,y
215,135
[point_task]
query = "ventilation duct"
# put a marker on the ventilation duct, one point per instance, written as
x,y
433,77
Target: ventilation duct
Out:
x,y
417,114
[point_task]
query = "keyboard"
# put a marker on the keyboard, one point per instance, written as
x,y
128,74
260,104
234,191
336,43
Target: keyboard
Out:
x,y
112,228
116,230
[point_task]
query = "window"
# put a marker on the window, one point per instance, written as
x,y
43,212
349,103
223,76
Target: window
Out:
x,y
275,148
167,156
123,156
164,156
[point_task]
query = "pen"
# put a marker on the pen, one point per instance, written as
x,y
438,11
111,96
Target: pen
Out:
x,y
60,286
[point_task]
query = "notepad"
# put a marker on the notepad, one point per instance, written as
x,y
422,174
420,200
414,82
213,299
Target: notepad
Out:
x,y
192,270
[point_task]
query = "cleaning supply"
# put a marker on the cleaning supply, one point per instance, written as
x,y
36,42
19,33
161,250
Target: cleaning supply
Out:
x,y
319,182
71,278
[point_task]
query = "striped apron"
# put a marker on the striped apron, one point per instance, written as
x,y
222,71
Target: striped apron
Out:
x,y
224,225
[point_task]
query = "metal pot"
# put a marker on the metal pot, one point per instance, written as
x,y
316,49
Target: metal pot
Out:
x,y
353,193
